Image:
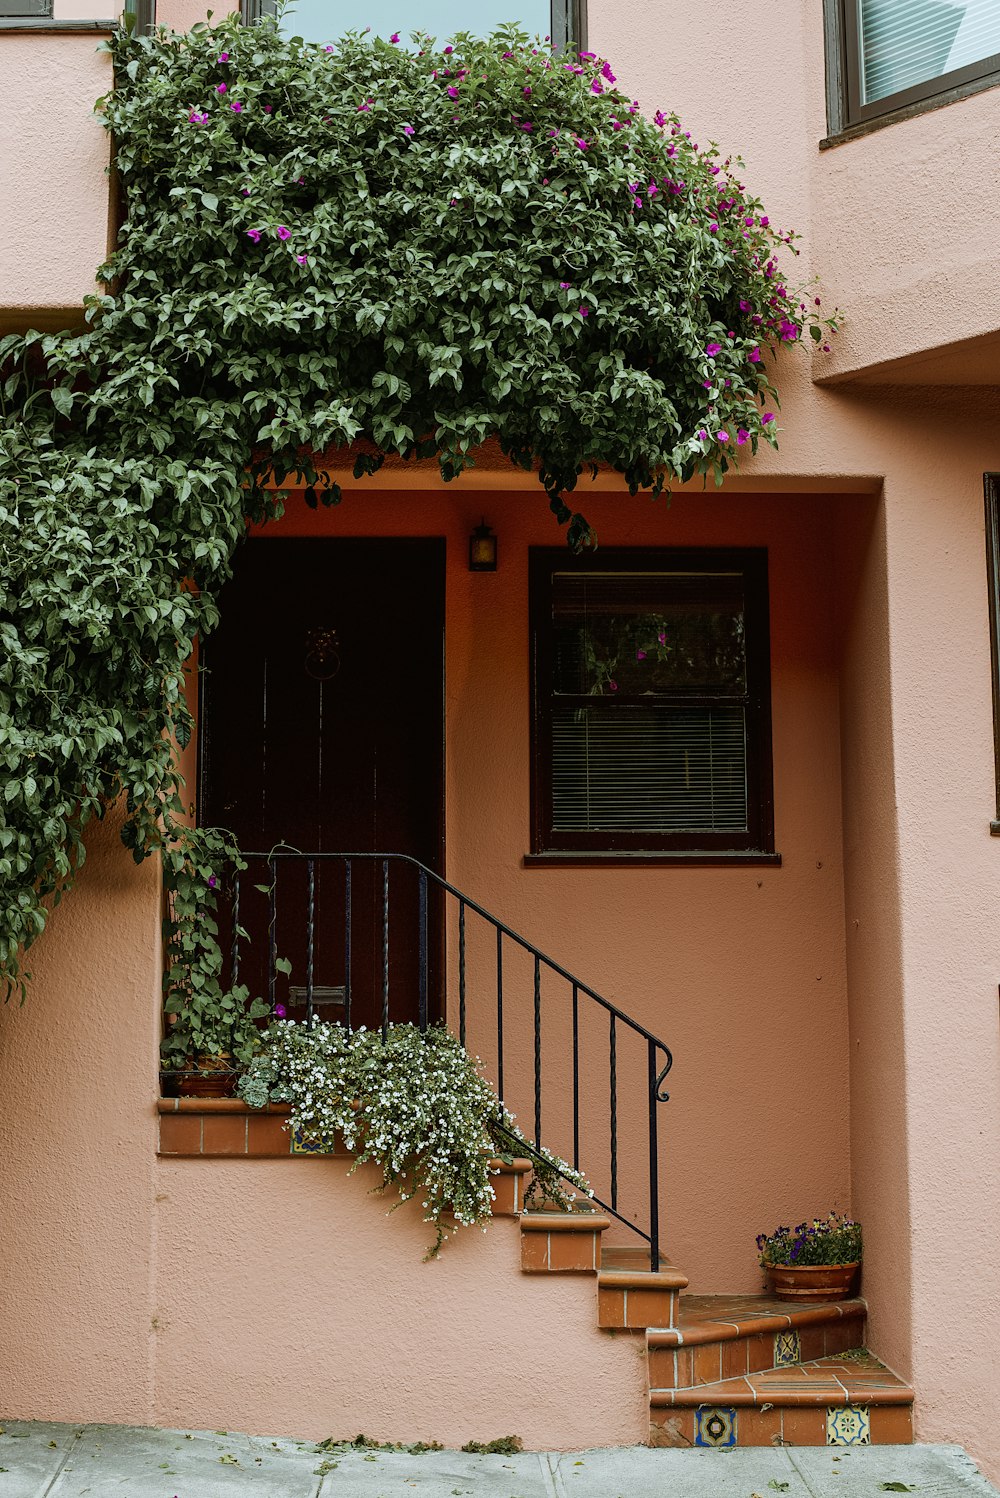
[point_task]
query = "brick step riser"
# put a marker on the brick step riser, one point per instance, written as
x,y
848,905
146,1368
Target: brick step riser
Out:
x,y
636,1309
708,1362
876,1425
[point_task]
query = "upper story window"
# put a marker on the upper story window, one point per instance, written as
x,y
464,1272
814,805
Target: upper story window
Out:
x,y
903,52
319,21
23,9
651,704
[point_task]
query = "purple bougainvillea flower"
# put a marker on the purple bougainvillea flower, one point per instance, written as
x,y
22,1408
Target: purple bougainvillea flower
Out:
x,y
267,108
607,73
584,145
453,92
236,107
212,882
741,436
253,234
284,233
596,86
222,88
244,192
280,1011
744,306
640,655
223,57
195,118
394,38
701,434
767,416
712,349
407,129
659,118
713,228
564,286
754,356
448,51
302,259
328,49
662,637
363,108
584,311
612,686
764,221
722,436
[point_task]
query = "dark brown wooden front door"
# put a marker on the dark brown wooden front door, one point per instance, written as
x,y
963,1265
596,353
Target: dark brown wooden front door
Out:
x,y
322,729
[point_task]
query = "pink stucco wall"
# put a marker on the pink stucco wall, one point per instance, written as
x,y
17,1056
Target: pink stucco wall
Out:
x,y
53,187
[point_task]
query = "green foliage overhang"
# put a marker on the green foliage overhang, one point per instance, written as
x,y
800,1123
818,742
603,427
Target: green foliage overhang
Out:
x,y
414,250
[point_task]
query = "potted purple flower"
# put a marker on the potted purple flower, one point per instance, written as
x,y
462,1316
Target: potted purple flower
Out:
x,y
814,1261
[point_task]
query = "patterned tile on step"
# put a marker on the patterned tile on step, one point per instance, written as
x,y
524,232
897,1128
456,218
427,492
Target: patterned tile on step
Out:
x,y
307,1144
715,1427
786,1348
849,1426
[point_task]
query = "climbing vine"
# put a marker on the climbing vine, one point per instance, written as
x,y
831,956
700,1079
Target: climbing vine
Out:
x,y
399,251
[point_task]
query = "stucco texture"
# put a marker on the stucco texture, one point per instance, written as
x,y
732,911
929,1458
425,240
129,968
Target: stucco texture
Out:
x,y
53,187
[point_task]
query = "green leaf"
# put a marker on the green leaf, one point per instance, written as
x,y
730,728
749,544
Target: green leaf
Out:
x,y
895,1487
283,965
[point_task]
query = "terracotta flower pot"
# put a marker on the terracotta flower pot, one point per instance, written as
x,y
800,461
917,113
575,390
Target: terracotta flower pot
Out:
x,y
208,1076
811,1281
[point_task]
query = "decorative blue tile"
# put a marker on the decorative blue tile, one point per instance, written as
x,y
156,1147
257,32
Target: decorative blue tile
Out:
x,y
305,1144
714,1427
786,1348
848,1426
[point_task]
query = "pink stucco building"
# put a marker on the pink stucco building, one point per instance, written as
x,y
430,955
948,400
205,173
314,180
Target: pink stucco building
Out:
x,y
824,967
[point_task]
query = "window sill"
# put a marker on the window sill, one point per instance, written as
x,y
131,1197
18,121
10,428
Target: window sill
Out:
x,y
46,25
908,111
692,859
995,829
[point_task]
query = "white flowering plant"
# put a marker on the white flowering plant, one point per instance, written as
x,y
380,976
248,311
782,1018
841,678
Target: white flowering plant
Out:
x,y
417,1105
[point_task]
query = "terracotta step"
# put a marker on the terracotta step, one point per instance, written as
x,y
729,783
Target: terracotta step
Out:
x,y
726,1336
562,1242
848,1400
631,1295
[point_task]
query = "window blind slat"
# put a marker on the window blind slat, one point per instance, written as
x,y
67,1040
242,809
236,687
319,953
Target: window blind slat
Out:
x,y
659,769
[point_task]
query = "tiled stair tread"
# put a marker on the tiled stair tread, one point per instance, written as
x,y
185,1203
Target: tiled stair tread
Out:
x,y
721,1318
858,1379
578,1221
629,1268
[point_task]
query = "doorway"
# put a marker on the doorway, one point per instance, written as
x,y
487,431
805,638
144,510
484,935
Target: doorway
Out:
x,y
322,730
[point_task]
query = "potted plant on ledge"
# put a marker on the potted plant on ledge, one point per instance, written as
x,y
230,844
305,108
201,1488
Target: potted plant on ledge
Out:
x,y
210,1030
814,1261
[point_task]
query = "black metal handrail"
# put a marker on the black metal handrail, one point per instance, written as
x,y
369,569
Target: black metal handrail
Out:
x,y
658,1058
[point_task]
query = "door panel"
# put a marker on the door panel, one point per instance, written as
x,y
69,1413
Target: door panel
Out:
x,y
321,727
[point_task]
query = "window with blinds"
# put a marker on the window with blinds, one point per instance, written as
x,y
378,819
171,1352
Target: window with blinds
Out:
x,y
899,52
651,702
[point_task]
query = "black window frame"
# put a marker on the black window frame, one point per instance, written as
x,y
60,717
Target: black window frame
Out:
x,y
568,19
756,845
845,109
991,486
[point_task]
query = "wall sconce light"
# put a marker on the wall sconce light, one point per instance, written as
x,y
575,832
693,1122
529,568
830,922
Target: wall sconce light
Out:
x,y
482,549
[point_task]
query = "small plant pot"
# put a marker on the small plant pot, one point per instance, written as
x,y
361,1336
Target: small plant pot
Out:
x,y
208,1076
811,1281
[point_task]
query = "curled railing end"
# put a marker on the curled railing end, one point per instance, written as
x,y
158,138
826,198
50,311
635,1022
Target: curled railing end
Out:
x,y
661,1096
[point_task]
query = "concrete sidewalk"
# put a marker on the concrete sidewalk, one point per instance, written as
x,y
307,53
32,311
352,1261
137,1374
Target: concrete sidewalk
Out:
x,y
98,1461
